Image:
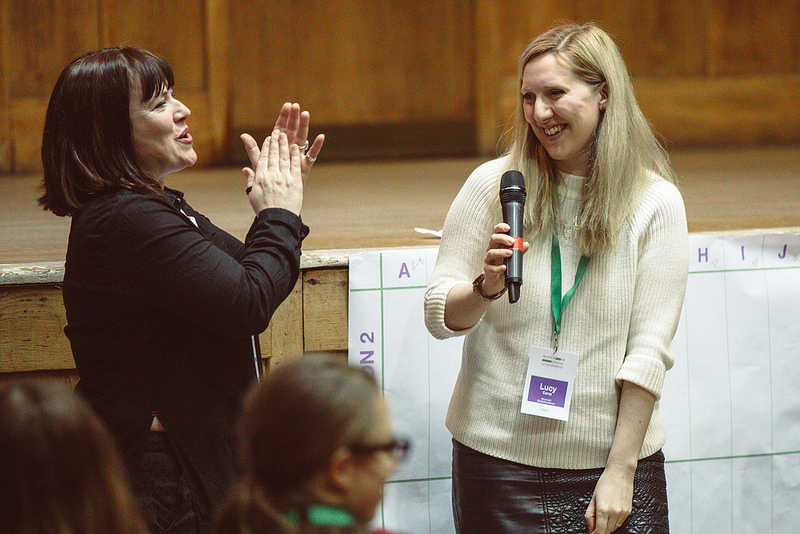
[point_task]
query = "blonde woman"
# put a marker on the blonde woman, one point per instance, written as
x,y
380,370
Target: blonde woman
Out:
x,y
605,266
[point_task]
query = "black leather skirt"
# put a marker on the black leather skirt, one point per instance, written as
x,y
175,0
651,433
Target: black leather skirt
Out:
x,y
497,496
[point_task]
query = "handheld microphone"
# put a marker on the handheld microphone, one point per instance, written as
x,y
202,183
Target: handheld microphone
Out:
x,y
512,200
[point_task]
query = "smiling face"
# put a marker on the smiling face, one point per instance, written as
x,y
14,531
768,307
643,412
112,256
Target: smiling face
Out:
x,y
563,111
161,139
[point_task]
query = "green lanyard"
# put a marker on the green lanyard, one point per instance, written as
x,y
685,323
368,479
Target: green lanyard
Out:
x,y
555,286
321,515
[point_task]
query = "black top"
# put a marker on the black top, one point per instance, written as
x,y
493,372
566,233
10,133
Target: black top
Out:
x,y
160,316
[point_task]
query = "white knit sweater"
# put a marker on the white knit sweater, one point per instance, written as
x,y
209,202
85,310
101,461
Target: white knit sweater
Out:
x,y
620,320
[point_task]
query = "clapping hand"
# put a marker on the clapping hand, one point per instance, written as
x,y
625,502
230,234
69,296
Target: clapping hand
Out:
x,y
280,167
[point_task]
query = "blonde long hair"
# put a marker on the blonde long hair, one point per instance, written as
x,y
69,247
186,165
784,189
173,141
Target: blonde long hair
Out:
x,y
624,152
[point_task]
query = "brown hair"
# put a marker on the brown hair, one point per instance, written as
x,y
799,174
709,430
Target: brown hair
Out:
x,y
59,467
87,145
292,424
625,150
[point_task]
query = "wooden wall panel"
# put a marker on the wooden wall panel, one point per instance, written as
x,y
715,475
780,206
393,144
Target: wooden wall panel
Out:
x,y
37,48
26,124
754,37
656,38
697,67
32,321
733,111
396,72
43,37
352,61
218,78
32,318
283,338
174,30
6,154
325,309
190,34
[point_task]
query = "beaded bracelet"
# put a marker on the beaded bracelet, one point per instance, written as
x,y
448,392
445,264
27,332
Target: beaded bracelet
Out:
x,y
476,288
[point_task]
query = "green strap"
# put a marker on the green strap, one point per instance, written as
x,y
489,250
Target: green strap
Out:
x,y
321,515
555,283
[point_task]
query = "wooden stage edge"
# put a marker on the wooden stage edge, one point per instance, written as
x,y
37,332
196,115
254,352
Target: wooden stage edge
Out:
x,y
349,207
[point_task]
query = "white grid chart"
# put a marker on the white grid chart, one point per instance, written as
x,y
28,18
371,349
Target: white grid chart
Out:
x,y
730,403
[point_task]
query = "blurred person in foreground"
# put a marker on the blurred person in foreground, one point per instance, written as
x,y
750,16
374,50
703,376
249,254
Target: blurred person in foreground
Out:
x,y
316,448
60,471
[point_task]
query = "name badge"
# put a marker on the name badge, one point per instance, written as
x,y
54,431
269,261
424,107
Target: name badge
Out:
x,y
548,383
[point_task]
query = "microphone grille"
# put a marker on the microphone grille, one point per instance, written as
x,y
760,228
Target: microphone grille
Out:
x,y
512,187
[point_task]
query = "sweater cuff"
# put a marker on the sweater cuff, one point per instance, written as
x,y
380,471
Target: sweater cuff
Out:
x,y
647,373
435,301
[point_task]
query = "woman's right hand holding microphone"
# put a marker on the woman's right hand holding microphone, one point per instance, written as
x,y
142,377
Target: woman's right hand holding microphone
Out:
x,y
464,308
498,251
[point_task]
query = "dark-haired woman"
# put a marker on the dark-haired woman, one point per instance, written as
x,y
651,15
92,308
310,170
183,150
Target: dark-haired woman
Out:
x,y
163,308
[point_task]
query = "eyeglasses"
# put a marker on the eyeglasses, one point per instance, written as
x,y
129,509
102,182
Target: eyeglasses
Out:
x,y
397,447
